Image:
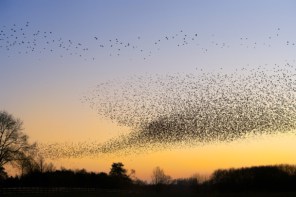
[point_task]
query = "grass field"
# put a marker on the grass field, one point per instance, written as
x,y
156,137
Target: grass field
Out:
x,y
78,192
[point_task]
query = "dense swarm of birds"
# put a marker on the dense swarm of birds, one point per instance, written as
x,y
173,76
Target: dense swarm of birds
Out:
x,y
184,110
198,108
169,110
60,150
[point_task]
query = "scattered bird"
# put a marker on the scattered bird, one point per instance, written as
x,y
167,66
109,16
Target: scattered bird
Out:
x,y
22,40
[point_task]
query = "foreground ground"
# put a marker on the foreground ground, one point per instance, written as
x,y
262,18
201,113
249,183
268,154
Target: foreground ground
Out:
x,y
77,192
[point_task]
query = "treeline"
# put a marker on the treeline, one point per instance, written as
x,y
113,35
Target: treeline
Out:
x,y
260,178
116,179
68,178
35,172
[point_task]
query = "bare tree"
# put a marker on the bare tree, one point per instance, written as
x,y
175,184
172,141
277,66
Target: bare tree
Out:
x,y
14,143
40,163
33,161
3,174
159,177
132,174
26,164
50,167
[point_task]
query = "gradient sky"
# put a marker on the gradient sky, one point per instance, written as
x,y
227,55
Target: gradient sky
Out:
x,y
44,89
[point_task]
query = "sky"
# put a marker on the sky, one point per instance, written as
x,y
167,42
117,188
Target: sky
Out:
x,y
54,54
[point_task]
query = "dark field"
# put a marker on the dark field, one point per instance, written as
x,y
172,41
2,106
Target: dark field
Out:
x,y
77,192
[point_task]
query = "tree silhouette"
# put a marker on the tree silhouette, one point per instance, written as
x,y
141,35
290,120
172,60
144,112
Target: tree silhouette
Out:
x,y
271,178
3,174
34,163
118,176
117,170
14,144
159,177
27,165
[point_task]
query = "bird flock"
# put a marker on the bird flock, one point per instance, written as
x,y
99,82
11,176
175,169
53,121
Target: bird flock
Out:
x,y
185,110
198,108
173,109
25,40
22,39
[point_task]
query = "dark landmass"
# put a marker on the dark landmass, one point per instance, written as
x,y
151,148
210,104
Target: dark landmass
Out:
x,y
279,180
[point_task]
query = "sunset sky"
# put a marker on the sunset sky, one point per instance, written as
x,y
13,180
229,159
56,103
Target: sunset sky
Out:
x,y
44,84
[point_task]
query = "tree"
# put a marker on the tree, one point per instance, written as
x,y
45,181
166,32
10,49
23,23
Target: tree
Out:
x,y
3,174
34,162
117,170
14,144
118,176
27,165
159,177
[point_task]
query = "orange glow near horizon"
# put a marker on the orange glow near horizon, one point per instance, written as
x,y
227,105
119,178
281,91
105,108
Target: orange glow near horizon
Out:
x,y
203,160
176,162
